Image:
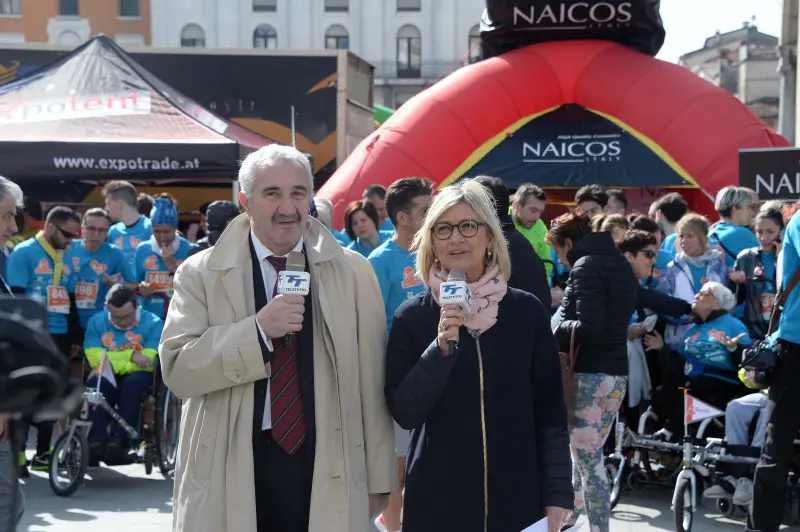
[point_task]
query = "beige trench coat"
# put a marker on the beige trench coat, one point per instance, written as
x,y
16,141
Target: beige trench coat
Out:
x,y
210,357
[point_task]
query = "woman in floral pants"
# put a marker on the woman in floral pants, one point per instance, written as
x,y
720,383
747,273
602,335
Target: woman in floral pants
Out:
x,y
597,399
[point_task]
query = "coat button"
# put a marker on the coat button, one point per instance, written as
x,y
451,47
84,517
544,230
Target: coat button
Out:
x,y
237,375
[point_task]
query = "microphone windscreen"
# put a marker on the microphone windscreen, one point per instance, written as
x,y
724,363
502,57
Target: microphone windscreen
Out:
x,y
457,275
296,262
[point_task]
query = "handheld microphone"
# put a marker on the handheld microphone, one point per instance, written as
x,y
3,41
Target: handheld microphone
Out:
x,y
294,279
455,291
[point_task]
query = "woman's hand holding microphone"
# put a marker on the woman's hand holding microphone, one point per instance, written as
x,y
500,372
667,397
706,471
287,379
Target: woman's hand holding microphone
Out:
x,y
449,325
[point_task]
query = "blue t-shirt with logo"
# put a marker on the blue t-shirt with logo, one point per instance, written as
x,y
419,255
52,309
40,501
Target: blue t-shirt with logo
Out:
x,y
31,268
356,244
789,324
86,280
102,333
668,245
150,268
662,261
394,267
128,238
735,239
704,353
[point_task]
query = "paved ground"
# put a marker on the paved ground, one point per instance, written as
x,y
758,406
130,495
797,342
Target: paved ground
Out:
x,y
125,500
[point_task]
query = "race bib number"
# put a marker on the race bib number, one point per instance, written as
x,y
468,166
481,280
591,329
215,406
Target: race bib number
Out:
x,y
767,302
57,300
159,281
86,295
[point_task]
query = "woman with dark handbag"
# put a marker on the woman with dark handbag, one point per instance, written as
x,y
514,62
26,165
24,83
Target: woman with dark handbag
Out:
x,y
591,328
783,415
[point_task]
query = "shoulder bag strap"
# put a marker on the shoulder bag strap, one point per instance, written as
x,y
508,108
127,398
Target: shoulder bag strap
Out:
x,y
780,300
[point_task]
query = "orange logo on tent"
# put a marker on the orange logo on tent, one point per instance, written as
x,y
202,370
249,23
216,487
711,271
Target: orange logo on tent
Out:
x,y
98,268
409,278
151,263
108,340
133,338
43,267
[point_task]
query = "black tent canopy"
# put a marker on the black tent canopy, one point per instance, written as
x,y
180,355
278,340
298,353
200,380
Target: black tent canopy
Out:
x,y
95,114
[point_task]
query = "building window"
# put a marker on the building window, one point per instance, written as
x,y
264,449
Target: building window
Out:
x,y
409,52
9,7
129,8
409,5
475,51
265,36
337,38
68,38
193,36
68,8
265,6
340,6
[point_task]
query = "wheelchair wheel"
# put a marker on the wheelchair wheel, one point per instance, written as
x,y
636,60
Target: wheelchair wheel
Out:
x,y
69,463
636,479
683,511
149,460
168,420
613,483
726,507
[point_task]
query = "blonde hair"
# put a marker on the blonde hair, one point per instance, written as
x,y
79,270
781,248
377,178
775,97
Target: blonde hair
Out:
x,y
478,199
697,223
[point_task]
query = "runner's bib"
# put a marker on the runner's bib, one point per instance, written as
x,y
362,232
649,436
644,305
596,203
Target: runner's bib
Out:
x,y
57,300
767,302
159,281
86,295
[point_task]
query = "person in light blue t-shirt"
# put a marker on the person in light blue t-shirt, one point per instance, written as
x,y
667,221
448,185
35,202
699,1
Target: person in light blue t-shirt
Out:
x,y
732,234
361,224
667,212
132,228
158,258
376,194
784,393
96,265
407,202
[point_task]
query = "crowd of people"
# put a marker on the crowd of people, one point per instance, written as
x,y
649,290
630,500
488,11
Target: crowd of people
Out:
x,y
463,423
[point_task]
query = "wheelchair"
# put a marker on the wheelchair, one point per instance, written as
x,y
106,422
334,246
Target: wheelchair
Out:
x,y
158,434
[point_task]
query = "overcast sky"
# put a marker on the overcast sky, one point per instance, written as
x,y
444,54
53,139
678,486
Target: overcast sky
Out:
x,y
690,22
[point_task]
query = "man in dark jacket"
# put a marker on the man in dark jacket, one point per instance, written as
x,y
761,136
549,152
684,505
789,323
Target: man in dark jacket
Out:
x,y
218,215
527,269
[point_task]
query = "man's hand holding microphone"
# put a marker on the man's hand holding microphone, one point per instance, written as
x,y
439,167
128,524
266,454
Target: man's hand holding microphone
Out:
x,y
283,315
455,300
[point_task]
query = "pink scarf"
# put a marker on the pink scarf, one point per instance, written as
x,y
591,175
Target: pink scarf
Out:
x,y
486,296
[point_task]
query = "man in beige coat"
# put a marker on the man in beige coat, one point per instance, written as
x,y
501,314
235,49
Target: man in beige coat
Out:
x,y
228,341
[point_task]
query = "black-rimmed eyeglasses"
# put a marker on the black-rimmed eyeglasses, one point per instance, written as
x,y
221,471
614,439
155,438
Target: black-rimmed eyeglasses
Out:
x,y
467,229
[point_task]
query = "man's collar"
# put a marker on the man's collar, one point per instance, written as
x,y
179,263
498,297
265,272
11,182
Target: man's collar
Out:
x,y
262,251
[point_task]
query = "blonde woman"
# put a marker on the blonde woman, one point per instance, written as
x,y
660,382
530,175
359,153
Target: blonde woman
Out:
x,y
489,443
694,265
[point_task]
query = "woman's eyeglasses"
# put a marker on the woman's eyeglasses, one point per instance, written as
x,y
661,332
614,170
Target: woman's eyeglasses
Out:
x,y
95,230
467,228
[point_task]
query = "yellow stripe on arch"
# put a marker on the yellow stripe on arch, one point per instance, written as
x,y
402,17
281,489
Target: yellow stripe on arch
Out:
x,y
488,146
652,145
495,141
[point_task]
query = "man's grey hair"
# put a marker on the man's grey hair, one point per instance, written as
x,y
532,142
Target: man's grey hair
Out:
x,y
324,211
9,188
730,197
271,156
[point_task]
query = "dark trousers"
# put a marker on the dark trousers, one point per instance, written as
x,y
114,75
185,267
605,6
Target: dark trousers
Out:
x,y
283,486
44,430
126,397
783,421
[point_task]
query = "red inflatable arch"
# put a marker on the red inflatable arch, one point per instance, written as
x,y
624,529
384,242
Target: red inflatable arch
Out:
x,y
689,128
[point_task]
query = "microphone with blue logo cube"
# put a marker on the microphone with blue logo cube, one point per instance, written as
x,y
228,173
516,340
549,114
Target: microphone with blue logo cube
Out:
x,y
455,291
294,280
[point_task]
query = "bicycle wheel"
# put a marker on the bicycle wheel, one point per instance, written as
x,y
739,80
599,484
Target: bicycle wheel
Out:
x,y
69,463
683,511
168,421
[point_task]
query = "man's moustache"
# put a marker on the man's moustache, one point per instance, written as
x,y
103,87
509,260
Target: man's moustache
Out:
x,y
283,218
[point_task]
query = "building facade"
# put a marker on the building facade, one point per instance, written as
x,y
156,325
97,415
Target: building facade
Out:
x,y
745,63
73,22
411,43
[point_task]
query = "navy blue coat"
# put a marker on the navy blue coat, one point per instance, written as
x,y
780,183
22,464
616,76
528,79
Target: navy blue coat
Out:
x,y
439,399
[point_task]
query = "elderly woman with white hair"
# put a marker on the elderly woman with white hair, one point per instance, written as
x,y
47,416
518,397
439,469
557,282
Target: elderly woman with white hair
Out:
x,y
712,351
732,234
489,443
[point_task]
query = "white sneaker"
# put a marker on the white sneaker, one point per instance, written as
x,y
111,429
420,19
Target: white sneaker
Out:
x,y
744,492
723,490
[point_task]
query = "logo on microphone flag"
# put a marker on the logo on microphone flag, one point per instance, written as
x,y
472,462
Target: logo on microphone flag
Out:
x,y
104,371
697,410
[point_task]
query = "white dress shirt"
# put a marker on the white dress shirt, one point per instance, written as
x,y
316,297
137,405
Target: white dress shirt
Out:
x,y
270,277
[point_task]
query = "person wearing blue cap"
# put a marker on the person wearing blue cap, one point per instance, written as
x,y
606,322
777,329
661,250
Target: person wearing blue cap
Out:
x,y
158,258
